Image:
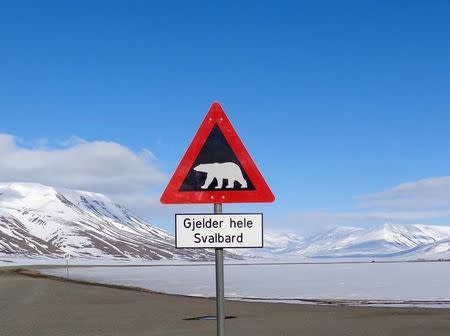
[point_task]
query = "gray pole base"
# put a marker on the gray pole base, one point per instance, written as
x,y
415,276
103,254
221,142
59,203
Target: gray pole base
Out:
x,y
220,291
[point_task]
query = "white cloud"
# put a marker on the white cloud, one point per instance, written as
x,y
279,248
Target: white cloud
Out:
x,y
99,166
422,194
330,218
422,201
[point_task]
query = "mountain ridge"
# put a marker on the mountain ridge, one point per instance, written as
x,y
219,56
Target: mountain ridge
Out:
x,y
384,241
38,220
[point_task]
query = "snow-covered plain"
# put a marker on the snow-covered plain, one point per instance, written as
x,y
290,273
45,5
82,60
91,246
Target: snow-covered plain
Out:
x,y
399,283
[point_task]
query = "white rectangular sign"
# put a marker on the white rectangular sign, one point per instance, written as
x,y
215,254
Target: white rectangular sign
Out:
x,y
218,230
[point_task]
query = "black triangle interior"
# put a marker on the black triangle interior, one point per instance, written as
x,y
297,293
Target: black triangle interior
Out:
x,y
215,150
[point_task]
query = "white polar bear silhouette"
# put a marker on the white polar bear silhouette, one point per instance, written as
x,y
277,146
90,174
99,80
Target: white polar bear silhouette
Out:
x,y
222,171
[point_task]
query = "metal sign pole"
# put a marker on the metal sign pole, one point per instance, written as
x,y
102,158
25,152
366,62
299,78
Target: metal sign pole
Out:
x,y
220,292
67,257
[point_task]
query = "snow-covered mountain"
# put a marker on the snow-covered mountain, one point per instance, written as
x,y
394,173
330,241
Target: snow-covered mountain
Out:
x,y
435,251
275,244
383,240
37,220
387,240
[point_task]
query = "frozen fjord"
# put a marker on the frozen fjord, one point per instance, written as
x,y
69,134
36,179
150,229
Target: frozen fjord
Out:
x,y
398,281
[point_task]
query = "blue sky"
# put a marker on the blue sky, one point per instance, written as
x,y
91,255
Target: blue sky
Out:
x,y
334,101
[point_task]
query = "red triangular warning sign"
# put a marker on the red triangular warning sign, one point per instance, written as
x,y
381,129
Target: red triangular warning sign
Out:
x,y
216,168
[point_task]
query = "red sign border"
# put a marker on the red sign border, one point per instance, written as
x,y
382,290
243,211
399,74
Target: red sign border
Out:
x,y
262,192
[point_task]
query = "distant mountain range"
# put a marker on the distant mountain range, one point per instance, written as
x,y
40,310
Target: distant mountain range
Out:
x,y
37,220
384,241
